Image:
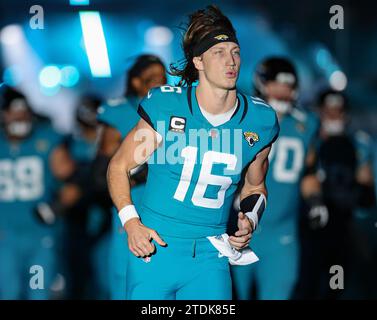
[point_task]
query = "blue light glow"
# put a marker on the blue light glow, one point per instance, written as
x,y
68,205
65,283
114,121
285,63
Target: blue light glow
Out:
x,y
69,76
12,76
50,76
52,91
79,2
323,58
95,43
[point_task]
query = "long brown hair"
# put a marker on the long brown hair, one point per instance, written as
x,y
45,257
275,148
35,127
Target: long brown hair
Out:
x,y
201,23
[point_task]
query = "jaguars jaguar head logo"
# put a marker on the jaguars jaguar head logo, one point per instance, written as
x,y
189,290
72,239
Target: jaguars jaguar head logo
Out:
x,y
222,37
251,137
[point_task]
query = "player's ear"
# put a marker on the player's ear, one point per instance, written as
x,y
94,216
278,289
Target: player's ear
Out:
x,y
198,63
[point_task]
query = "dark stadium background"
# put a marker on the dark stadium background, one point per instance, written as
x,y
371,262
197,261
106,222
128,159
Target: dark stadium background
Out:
x,y
298,29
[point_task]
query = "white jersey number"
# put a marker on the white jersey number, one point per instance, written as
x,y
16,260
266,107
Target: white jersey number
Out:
x,y
282,148
21,179
205,177
171,89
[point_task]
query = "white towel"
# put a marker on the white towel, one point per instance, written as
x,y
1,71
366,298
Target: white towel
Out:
x,y
236,257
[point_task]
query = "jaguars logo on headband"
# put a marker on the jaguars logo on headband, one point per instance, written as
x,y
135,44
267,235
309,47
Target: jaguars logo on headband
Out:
x,y
251,137
222,37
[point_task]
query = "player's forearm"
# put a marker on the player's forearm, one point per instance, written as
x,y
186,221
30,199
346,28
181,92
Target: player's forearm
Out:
x,y
253,197
248,190
119,184
255,178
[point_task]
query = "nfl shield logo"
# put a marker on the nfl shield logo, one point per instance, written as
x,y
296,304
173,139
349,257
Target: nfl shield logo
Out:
x,y
213,133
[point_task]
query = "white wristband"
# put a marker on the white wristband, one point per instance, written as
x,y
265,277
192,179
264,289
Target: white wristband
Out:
x,y
127,213
257,211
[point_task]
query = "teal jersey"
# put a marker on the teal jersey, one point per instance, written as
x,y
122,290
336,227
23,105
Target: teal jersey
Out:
x,y
120,114
298,133
364,148
193,175
26,178
82,150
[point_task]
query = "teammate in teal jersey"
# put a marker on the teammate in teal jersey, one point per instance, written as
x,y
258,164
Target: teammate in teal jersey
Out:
x,y
276,242
31,158
118,117
344,166
198,140
333,109
87,221
97,225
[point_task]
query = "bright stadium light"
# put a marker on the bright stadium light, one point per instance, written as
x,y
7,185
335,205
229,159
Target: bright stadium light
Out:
x,y
95,44
12,75
79,2
49,77
69,76
323,58
158,36
50,92
11,35
338,80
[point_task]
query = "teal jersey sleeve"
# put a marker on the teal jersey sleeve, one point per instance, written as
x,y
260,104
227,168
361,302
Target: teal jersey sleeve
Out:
x,y
108,113
119,114
275,129
364,147
156,99
314,125
268,120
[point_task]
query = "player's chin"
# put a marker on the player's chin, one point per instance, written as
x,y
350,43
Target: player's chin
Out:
x,y
228,85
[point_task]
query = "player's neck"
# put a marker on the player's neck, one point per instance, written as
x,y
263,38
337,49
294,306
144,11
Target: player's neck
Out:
x,y
215,100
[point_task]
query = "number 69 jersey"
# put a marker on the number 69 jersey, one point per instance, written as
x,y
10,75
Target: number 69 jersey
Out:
x,y
194,173
25,179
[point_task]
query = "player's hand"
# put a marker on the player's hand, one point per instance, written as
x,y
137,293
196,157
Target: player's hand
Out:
x,y
139,238
318,217
241,238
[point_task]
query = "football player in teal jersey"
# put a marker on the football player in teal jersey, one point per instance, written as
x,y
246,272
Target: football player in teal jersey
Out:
x,y
87,221
118,117
345,171
31,158
333,110
197,140
276,242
